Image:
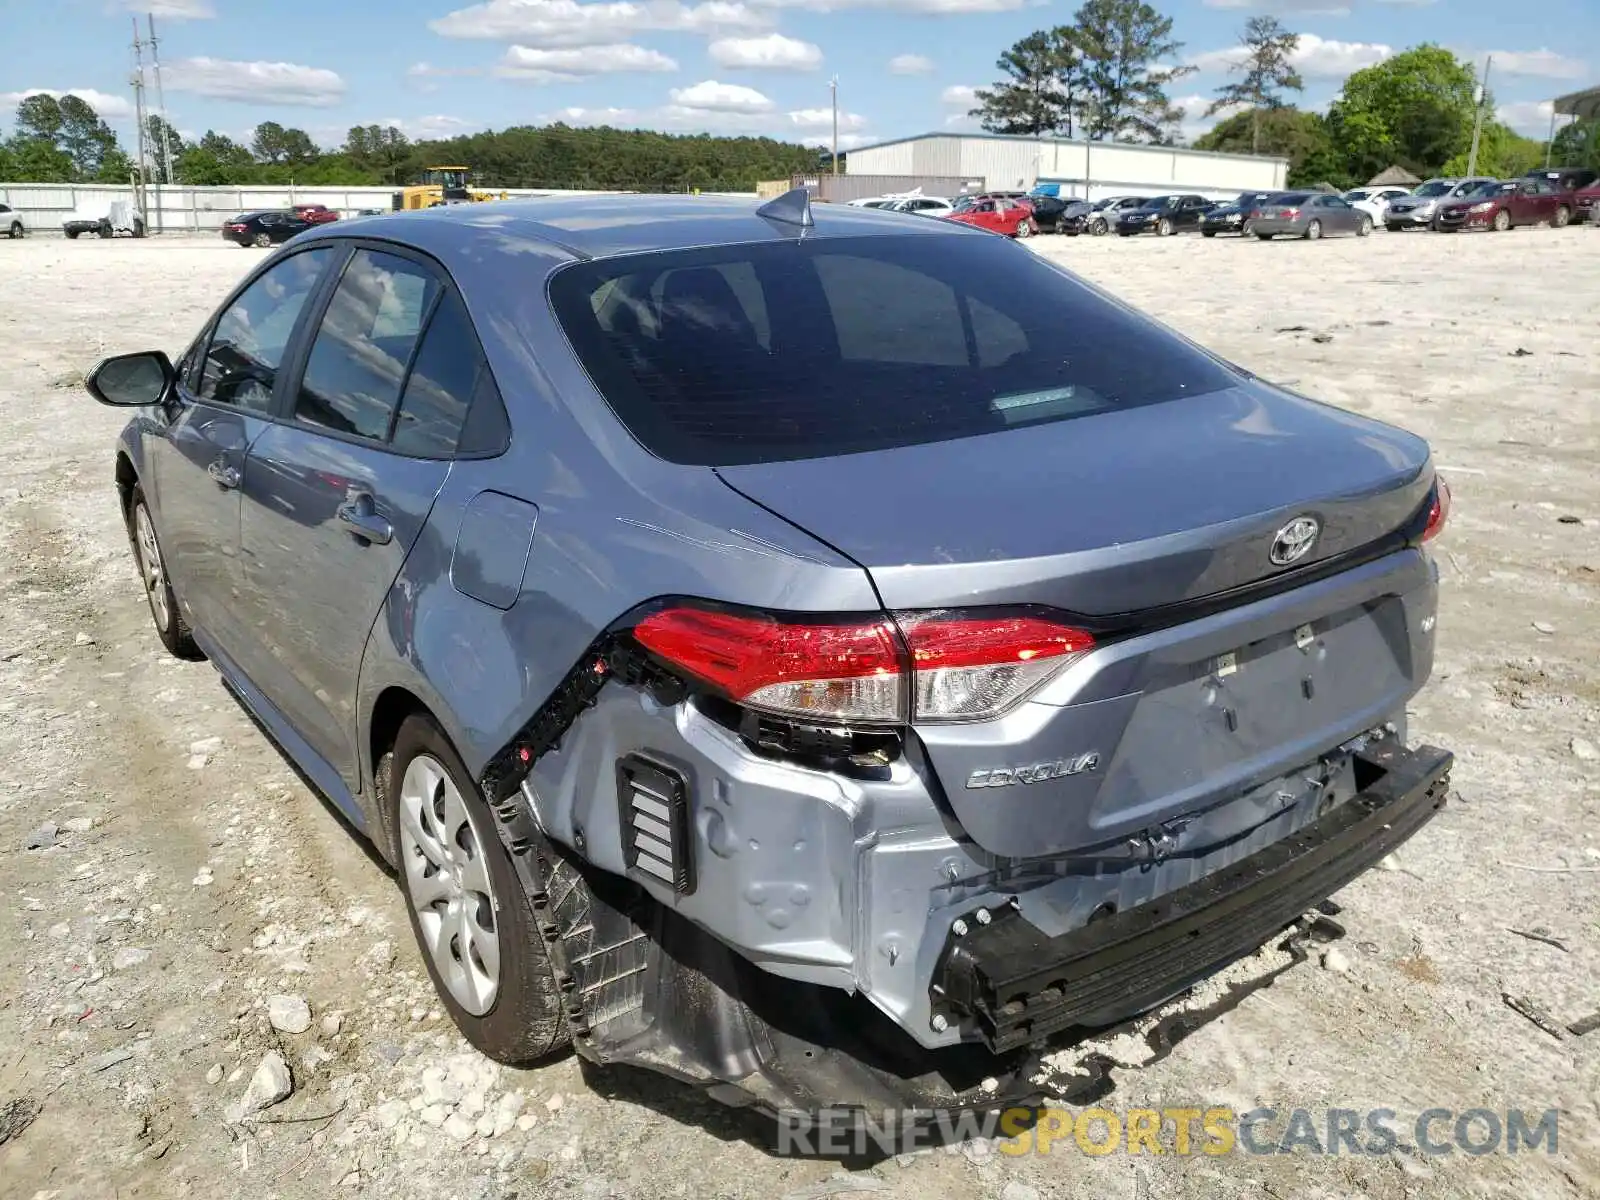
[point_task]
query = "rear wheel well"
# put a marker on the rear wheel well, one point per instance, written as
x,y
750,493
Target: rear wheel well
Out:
x,y
393,706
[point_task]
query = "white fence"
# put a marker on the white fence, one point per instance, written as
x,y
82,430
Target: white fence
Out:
x,y
183,209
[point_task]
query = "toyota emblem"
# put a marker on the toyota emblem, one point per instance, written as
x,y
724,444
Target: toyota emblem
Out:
x,y
1294,541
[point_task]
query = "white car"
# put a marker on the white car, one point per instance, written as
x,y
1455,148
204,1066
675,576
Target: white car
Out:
x,y
874,202
1374,201
924,206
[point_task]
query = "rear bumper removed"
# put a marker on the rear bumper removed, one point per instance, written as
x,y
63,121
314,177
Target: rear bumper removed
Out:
x,y
1020,984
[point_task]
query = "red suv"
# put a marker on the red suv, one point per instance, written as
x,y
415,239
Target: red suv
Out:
x,y
1500,205
316,214
1586,203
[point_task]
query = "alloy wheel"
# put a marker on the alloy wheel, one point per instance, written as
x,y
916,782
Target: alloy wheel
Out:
x,y
152,571
447,880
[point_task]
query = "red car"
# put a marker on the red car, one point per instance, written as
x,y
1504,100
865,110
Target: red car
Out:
x,y
1510,202
1586,203
998,216
316,214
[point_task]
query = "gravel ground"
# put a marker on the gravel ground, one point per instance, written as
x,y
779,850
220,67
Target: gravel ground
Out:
x,y
194,923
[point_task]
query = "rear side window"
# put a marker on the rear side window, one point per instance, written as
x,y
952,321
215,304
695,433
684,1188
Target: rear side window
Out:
x,y
364,345
433,407
857,344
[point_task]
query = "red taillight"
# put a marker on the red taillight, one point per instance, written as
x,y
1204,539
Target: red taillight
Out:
x,y
1438,511
964,667
1291,213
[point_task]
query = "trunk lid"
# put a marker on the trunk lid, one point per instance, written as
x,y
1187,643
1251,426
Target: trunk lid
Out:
x,y
1224,709
1108,514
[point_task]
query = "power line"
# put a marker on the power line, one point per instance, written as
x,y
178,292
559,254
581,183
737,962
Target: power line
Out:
x,y
161,99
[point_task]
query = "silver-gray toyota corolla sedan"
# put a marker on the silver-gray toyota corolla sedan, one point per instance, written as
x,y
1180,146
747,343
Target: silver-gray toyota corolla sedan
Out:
x,y
822,656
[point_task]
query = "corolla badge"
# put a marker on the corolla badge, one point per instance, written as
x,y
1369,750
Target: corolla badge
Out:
x,y
1294,541
1034,772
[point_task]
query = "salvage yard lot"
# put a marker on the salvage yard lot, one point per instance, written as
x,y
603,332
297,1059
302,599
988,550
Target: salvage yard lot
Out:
x,y
186,875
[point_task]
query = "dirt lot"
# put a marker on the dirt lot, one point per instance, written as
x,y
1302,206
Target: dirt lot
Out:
x,y
186,875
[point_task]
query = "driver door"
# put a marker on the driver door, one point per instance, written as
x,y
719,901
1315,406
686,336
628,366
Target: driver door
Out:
x,y
223,401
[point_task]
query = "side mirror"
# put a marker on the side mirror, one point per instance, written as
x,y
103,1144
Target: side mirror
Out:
x,y
132,380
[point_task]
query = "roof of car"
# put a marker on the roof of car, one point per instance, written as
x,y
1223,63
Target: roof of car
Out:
x,y
598,226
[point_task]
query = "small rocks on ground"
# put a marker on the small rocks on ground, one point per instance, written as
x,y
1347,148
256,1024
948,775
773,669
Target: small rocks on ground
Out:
x,y
331,1024
214,1075
555,1102
289,1014
1018,1191
1544,627
458,1127
204,878
129,957
209,745
1333,960
78,824
110,1059
270,1084
83,639
42,838
526,1122
1584,749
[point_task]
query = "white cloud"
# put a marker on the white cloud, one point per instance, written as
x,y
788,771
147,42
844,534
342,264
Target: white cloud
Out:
x,y
774,52
710,96
1541,64
255,82
1530,117
570,23
822,118
424,70
565,65
960,93
1314,57
1325,8
426,128
108,106
935,7
175,10
847,141
1194,121
910,64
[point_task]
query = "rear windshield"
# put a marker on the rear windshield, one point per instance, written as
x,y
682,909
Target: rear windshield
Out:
x,y
805,349
1433,189
1290,199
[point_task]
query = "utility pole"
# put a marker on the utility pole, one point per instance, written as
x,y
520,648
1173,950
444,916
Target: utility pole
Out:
x,y
139,115
1550,142
161,103
1477,117
833,86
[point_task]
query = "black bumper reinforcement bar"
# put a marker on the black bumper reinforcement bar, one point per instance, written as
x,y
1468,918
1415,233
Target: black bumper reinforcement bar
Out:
x,y
1020,984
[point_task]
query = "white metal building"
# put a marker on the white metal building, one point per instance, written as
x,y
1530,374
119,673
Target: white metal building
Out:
x,y
1081,168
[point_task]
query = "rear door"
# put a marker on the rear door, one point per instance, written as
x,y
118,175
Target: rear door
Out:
x,y
223,402
337,491
1189,212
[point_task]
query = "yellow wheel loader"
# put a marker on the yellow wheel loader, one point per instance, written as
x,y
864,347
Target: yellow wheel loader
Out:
x,y
442,185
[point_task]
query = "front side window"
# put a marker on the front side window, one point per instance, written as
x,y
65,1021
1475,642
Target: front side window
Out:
x,y
358,362
246,350
859,344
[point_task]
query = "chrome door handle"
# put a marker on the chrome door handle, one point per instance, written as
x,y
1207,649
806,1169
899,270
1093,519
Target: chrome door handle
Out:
x,y
362,520
224,474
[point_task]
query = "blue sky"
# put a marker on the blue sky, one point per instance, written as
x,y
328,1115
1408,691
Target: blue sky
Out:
x,y
437,67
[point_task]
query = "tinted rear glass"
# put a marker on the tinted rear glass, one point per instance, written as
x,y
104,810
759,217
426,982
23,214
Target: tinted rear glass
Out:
x,y
1290,199
1433,189
806,349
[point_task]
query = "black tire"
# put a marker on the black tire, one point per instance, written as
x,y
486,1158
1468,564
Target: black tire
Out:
x,y
1263,237
173,630
1164,228
1559,221
138,229
105,230
1098,227
1024,228
1365,228
1208,233
262,240
1501,222
16,230
1313,231
72,234
1394,228
525,1022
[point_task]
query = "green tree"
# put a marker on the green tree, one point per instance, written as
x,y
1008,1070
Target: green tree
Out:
x,y
215,159
1124,43
40,160
1414,109
1502,152
1042,91
1577,144
1301,137
163,143
273,143
39,116
384,150
87,139
1265,74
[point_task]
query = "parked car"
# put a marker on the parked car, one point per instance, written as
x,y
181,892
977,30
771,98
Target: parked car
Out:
x,y
1234,217
1566,179
785,636
270,227
1165,215
997,216
1417,210
1309,215
1048,212
11,222
315,214
1101,216
1586,203
105,221
873,202
1502,204
923,206
1375,201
